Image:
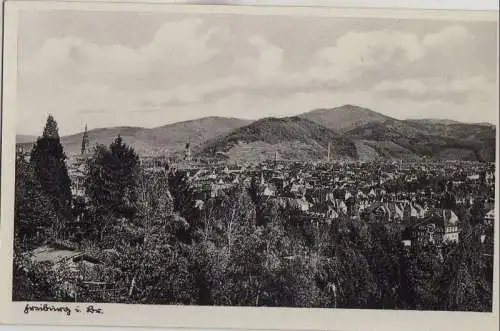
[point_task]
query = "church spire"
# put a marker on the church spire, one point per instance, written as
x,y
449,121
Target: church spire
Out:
x,y
85,141
187,153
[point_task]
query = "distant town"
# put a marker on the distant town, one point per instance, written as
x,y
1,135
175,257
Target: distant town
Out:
x,y
423,197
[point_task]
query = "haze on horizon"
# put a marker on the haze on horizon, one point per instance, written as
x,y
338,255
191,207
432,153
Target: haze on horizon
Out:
x,y
108,69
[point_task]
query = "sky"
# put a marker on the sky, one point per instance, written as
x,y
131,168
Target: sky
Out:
x,y
149,69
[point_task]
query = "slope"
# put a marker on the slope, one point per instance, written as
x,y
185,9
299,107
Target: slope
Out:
x,y
400,139
344,118
175,136
292,137
171,137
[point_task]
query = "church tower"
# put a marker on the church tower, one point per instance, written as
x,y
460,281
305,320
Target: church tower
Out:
x,y
85,141
187,155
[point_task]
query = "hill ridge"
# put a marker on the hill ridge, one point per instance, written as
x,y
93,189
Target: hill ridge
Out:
x,y
362,131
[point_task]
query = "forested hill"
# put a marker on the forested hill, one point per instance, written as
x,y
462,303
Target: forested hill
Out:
x,y
353,132
294,138
381,136
344,118
450,142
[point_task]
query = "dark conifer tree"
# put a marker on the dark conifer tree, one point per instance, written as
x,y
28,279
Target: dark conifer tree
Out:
x,y
123,170
111,182
477,211
50,130
49,165
182,193
34,214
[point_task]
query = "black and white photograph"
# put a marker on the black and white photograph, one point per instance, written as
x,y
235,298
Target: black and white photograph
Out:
x,y
217,158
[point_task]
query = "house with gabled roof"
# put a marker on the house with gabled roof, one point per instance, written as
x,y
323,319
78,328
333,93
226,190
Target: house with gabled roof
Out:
x,y
489,218
450,226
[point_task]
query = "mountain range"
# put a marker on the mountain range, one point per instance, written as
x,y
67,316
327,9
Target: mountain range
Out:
x,y
347,132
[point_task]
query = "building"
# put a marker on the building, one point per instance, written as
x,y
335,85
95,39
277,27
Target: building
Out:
x,y
85,142
489,218
423,233
24,150
450,226
187,152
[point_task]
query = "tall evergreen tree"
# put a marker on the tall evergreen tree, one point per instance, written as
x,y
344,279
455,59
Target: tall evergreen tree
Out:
x,y
111,181
49,165
34,214
182,194
50,130
477,211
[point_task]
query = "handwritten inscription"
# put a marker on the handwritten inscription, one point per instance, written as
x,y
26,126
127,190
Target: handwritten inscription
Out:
x,y
67,310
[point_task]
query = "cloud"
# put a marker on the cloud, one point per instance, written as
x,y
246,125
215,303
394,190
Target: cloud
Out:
x,y
355,53
437,85
176,45
364,49
181,49
268,61
349,59
447,35
470,95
